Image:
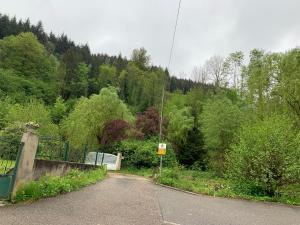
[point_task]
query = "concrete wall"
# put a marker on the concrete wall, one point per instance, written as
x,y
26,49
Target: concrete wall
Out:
x,y
56,168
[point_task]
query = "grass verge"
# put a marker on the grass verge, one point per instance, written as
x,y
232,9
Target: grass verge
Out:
x,y
209,184
49,186
144,172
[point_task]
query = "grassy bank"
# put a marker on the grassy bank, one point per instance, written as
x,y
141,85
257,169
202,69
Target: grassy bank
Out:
x,y
209,184
52,186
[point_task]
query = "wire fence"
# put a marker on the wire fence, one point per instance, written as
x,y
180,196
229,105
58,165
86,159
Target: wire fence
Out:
x,y
55,148
8,153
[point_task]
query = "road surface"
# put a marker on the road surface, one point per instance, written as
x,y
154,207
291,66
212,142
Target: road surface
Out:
x,y
131,200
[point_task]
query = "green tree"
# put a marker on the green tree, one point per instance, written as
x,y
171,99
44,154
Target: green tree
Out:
x,y
180,122
59,110
27,57
258,81
107,76
220,120
79,85
235,63
288,87
85,124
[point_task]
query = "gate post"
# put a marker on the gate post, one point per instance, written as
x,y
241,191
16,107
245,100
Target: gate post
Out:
x,y
24,169
118,162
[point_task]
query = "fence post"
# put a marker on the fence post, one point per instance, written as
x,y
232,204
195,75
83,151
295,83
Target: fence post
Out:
x,y
84,153
102,159
66,150
118,161
96,159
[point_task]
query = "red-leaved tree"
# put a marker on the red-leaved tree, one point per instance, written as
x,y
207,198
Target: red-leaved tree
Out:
x,y
118,130
148,122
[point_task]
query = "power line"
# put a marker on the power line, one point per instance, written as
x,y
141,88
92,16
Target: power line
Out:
x,y
169,62
174,34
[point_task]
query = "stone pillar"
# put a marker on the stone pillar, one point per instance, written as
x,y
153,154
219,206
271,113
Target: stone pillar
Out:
x,y
118,161
24,172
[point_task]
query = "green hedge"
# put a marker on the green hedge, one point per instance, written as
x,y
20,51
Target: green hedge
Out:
x,y
52,186
144,153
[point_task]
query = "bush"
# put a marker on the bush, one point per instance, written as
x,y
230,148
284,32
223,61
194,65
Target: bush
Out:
x,y
33,111
52,186
267,153
143,153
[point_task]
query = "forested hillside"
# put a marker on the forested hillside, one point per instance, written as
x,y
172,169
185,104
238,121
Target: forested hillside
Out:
x,y
240,120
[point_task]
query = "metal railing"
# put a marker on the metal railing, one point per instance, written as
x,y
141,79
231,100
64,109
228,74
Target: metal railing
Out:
x,y
53,148
8,153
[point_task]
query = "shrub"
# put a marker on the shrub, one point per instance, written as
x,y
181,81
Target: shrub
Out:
x,y
143,153
267,153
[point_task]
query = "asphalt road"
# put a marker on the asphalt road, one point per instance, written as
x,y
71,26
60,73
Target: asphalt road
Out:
x,y
130,200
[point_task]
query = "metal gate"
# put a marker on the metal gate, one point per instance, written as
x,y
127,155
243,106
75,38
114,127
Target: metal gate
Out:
x,y
9,159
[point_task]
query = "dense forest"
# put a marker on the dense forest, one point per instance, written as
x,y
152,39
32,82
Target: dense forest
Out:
x,y
240,120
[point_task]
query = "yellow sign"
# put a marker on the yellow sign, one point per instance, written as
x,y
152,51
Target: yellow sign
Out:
x,y
162,149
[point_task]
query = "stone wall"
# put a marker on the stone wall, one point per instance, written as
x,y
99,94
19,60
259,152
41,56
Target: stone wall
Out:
x,y
56,168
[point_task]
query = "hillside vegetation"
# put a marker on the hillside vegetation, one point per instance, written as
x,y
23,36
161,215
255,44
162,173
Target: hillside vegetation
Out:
x,y
239,121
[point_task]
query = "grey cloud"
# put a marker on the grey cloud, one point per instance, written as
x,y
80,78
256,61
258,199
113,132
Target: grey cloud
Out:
x,y
206,27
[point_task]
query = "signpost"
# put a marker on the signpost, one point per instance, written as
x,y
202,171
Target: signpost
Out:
x,y
162,150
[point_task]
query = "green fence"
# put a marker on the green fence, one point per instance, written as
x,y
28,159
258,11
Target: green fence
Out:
x,y
9,157
54,148
8,154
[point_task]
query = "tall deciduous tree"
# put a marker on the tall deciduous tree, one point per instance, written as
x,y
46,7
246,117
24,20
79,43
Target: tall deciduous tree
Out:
x,y
235,62
140,58
217,70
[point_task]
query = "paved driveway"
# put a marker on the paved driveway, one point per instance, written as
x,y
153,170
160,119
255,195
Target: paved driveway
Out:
x,y
130,200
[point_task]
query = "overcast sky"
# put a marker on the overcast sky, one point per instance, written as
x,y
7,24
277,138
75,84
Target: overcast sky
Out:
x,y
205,27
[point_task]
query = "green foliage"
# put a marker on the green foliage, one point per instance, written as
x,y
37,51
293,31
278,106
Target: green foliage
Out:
x,y
12,136
33,111
5,104
220,120
180,122
59,110
20,88
79,85
266,153
26,56
141,88
53,186
107,76
144,153
192,151
85,124
289,81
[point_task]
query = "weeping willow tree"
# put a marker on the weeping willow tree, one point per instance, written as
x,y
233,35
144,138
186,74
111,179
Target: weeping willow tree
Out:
x,y
86,123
